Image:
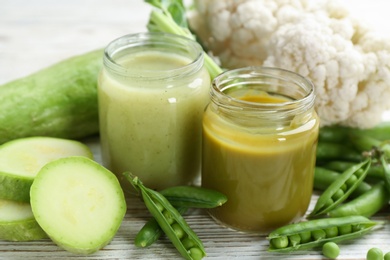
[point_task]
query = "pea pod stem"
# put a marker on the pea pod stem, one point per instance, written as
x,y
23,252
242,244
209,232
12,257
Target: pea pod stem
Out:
x,y
334,194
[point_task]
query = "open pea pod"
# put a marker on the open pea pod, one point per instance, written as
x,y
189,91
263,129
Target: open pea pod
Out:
x,y
314,233
175,227
341,188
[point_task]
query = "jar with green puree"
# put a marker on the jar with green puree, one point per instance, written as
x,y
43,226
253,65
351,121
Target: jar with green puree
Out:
x,y
152,92
260,135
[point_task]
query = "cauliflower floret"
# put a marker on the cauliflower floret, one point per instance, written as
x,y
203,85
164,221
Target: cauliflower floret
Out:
x,y
347,62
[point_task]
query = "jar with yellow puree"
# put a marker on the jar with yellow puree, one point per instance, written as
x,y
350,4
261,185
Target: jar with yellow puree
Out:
x,y
259,147
152,92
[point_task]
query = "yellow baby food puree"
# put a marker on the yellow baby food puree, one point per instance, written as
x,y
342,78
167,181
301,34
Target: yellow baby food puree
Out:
x,y
266,175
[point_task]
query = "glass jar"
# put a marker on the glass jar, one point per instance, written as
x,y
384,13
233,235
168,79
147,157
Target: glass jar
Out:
x,y
260,135
152,92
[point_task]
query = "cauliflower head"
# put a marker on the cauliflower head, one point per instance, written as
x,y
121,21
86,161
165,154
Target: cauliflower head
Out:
x,y
348,62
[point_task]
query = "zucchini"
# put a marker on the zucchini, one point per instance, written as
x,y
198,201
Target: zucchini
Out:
x,y
58,101
21,160
17,222
78,203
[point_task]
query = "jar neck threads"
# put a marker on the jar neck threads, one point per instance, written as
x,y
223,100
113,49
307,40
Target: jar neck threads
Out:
x,y
295,93
153,41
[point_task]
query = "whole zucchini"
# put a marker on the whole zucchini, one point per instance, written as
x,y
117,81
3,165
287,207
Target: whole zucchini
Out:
x,y
58,101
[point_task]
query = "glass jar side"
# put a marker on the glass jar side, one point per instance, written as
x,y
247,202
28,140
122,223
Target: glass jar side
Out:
x,y
150,111
258,153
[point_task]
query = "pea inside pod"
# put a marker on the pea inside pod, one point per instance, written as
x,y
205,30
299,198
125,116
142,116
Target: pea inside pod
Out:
x,y
319,230
177,229
366,204
341,188
152,231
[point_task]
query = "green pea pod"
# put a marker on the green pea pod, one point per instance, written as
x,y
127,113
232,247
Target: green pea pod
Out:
x,y
181,197
332,151
323,178
193,197
335,193
360,226
339,134
157,204
333,134
380,131
366,204
386,171
151,231
375,171
364,142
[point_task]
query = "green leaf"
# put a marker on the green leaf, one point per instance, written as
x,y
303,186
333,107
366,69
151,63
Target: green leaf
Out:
x,y
173,8
171,18
178,13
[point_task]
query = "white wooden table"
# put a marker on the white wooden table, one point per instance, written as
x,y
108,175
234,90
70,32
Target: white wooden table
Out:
x,y
37,33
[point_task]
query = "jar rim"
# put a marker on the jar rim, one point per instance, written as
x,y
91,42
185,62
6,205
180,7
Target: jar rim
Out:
x,y
227,79
153,40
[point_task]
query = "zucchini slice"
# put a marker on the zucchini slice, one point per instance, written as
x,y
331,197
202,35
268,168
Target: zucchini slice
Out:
x,y
17,222
21,159
78,203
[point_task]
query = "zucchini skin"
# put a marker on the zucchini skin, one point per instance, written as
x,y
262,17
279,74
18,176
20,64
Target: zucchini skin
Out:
x,y
58,101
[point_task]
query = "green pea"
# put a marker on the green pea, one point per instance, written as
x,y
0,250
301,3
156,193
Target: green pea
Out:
x,y
178,230
330,250
359,173
188,242
305,236
280,242
374,254
351,180
345,229
168,216
159,206
344,187
195,253
318,234
357,227
328,203
152,231
294,239
387,256
331,232
338,194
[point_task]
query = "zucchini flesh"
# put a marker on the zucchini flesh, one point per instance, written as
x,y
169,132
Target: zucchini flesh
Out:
x,y
58,101
78,203
17,222
21,159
